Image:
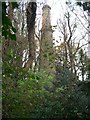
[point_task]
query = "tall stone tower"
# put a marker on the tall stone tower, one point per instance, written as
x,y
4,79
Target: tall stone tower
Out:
x,y
46,44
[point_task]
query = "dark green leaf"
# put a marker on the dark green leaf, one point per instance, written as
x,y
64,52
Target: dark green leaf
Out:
x,y
13,29
12,36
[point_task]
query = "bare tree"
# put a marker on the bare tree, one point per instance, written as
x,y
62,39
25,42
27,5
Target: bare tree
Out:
x,y
70,45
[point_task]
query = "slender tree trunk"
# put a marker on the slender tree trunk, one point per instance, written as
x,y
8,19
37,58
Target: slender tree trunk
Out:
x,y
31,15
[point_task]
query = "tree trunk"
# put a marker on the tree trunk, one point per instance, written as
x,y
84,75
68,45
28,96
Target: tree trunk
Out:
x,y
31,15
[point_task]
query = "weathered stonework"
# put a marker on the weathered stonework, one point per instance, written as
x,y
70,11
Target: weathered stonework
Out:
x,y
46,44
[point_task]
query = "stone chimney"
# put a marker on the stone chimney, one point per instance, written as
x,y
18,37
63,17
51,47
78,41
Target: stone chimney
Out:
x,y
46,22
46,44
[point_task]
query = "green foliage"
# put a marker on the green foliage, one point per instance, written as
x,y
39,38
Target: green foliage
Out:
x,y
85,5
79,3
25,96
63,105
22,91
8,30
64,77
83,63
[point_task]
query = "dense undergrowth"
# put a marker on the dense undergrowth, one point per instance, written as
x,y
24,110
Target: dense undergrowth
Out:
x,y
32,95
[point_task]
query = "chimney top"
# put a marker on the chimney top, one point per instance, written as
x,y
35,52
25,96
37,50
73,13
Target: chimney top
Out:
x,y
46,6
